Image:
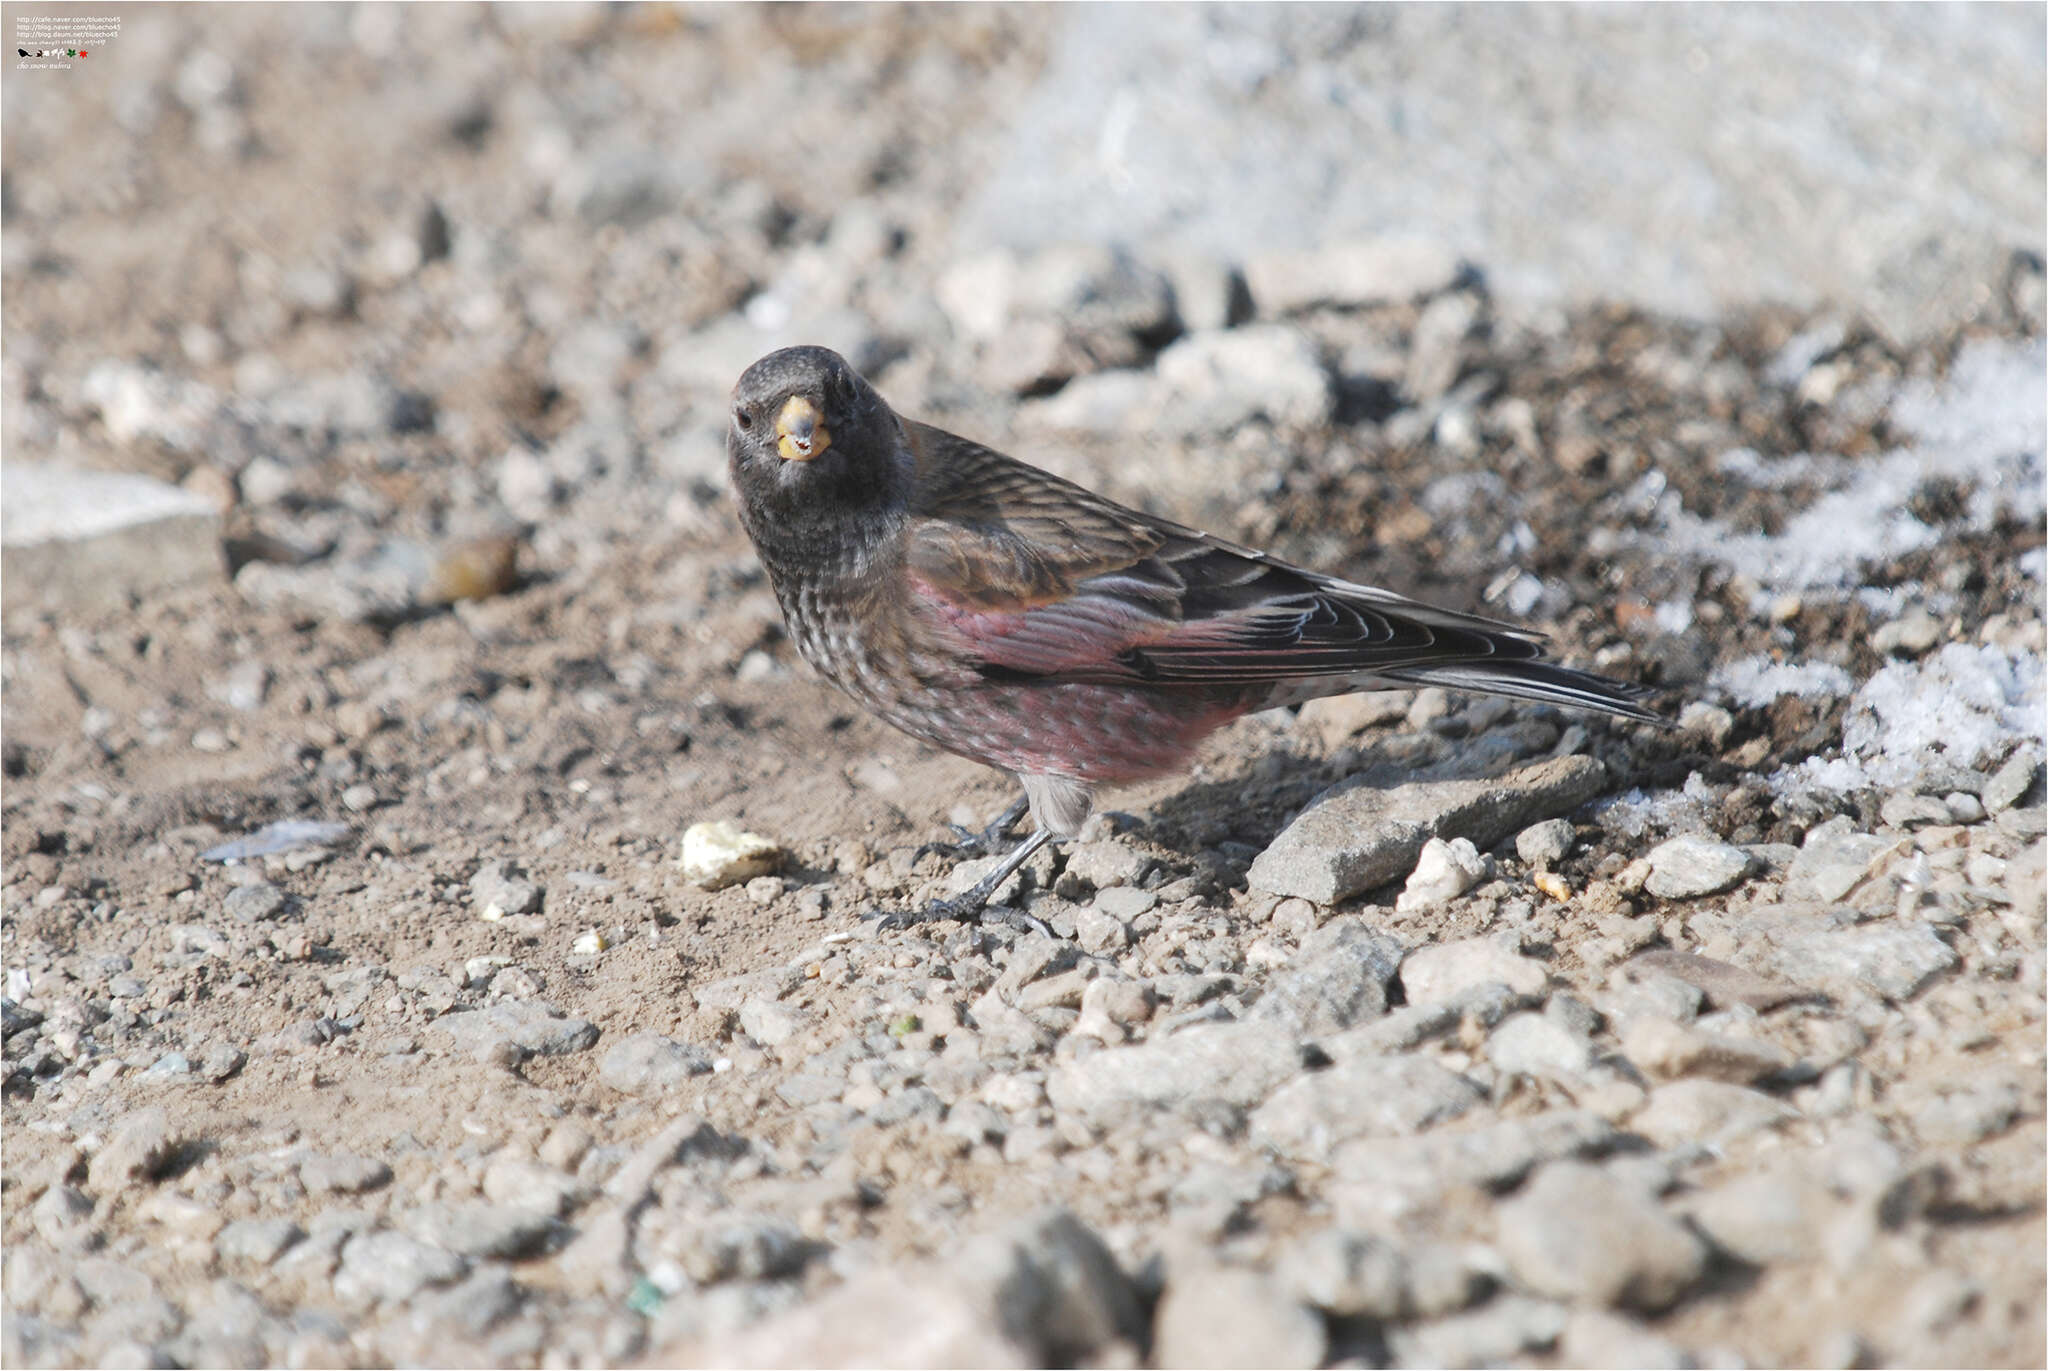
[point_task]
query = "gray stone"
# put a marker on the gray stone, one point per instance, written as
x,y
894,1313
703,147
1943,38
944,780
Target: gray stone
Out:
x,y
255,903
1689,866
1217,382
391,1266
1443,971
1123,902
1576,1233
1221,1316
1353,837
1778,1214
75,541
1705,1111
1207,293
481,1230
1833,861
1043,1293
1909,809
1347,1275
1664,1049
1912,634
1717,983
1436,345
1339,977
531,1026
502,886
1597,1338
2013,781
342,1173
1497,1334
258,1242
649,1064
1538,1045
1365,271
142,1146
1546,844
1102,865
1894,959
1236,1063
748,1247
1388,1177
1361,1097
63,1218
1109,402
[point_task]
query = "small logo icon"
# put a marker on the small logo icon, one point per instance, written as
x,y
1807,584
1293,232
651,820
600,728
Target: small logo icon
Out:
x,y
71,52
82,52
21,52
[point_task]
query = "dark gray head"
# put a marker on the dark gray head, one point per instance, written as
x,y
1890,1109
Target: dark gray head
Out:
x,y
810,443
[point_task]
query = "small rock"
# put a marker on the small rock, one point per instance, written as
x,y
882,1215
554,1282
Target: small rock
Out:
x,y
74,540
1667,1050
1707,1111
1496,1334
342,1173
1689,866
1443,872
1833,860
1368,271
1895,959
1347,1275
1913,634
649,1064
1220,1316
142,1147
501,889
1597,1338
1235,1063
1537,1045
1105,865
530,1026
258,1242
255,903
1546,844
509,1232
771,1022
1217,382
2012,782
1907,809
392,1266
1360,1097
1576,1233
1442,971
1339,977
1775,1215
719,854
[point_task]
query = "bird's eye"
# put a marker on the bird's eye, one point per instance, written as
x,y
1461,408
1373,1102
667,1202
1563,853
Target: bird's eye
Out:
x,y
743,419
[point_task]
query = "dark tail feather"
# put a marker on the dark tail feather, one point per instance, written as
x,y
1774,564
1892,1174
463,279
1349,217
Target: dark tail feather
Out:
x,y
1545,681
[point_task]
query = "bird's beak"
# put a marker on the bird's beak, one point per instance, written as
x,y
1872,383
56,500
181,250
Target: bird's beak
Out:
x,y
800,434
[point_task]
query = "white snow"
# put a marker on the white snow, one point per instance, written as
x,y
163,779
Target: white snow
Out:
x,y
1755,682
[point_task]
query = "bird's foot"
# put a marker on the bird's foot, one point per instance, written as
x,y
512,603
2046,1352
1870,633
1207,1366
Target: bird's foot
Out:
x,y
968,843
963,908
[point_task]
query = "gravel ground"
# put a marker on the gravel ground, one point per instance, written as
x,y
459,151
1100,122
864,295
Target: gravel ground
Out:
x,y
372,995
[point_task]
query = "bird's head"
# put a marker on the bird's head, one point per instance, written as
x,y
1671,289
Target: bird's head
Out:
x,y
808,436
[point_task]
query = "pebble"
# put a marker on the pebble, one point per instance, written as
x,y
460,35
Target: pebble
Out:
x,y
391,1266
1599,1338
649,1064
481,1230
1443,971
258,1242
1909,810
1574,1232
1777,1214
1235,1063
1217,382
500,889
1220,1316
1443,872
342,1173
1341,976
2012,782
1538,1045
1106,865
1708,1111
256,903
1498,1333
1366,271
142,1146
1347,1275
1545,844
1667,1050
718,854
1690,866
530,1026
1833,861
1360,1097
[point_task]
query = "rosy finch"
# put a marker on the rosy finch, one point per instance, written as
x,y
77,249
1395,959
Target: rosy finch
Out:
x,y
1017,619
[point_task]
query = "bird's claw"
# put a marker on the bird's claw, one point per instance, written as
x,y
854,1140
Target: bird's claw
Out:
x,y
968,843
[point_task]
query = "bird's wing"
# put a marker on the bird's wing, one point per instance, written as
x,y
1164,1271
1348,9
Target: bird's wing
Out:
x,y
1034,577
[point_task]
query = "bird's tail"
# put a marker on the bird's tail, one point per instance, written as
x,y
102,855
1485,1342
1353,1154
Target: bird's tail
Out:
x,y
1535,679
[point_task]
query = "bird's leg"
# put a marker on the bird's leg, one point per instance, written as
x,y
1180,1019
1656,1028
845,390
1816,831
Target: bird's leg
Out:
x,y
980,844
970,905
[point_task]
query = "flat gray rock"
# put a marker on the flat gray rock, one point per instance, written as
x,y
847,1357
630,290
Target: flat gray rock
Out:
x,y
528,1025
1691,865
1361,1097
1237,1063
1339,977
1222,1316
1354,837
1576,1233
78,540
649,1064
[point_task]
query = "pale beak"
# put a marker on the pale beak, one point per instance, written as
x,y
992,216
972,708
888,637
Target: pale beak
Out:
x,y
800,432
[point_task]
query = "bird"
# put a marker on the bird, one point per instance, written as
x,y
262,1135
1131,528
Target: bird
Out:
x,y
1025,622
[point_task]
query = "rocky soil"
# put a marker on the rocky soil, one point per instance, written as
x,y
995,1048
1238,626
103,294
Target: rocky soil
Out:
x,y
362,1009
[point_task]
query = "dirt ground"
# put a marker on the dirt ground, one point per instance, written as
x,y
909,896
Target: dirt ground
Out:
x,y
383,309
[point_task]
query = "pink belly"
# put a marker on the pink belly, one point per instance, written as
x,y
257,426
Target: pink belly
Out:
x,y
1097,734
